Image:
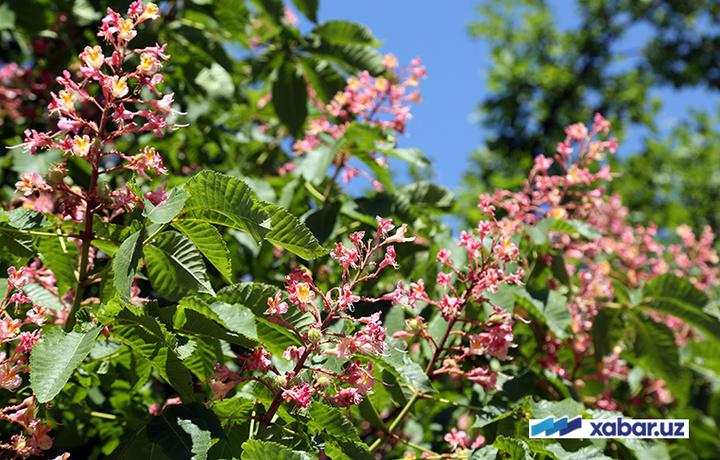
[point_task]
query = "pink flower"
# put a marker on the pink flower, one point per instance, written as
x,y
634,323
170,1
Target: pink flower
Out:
x,y
301,394
389,258
28,184
158,196
443,279
17,278
347,397
275,307
457,439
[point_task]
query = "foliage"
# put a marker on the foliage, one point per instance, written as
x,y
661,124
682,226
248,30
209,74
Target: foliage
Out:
x,y
250,306
613,58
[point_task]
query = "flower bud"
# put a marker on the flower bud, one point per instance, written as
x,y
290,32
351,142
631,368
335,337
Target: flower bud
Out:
x,y
55,176
495,318
322,382
413,325
280,381
314,335
103,191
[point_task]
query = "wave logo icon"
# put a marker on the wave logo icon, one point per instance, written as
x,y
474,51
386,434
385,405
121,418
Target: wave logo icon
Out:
x,y
550,427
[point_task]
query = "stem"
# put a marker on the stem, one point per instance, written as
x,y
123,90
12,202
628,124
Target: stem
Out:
x,y
378,442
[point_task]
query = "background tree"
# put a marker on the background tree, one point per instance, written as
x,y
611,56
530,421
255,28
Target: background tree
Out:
x,y
551,67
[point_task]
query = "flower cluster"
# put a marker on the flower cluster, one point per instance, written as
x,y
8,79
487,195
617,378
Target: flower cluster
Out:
x,y
15,363
490,254
383,101
116,96
565,187
366,336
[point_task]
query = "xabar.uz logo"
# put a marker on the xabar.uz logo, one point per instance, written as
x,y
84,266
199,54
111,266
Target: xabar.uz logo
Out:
x,y
612,428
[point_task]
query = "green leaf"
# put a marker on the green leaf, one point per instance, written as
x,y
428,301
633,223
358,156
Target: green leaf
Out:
x,y
196,324
655,351
126,261
274,337
146,337
429,196
381,172
585,453
346,33
216,81
175,266
7,19
554,312
413,156
308,8
54,358
607,329
323,77
289,97
40,163
407,369
576,226
289,233
353,57
224,200
185,431
678,297
62,257
18,244
236,318
41,296
491,414
316,162
516,448
27,219
210,242
263,450
169,209
484,453
558,409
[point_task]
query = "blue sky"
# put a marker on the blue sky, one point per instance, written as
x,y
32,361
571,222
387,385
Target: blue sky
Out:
x,y
445,125
442,125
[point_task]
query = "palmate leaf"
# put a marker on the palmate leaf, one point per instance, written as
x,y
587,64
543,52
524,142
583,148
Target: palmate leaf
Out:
x,y
289,97
656,351
346,33
413,156
342,440
607,330
165,212
151,341
263,450
27,219
175,266
41,296
676,296
196,324
429,196
323,77
308,8
289,233
352,57
407,369
210,242
12,242
575,226
54,358
185,432
126,261
223,200
62,258
232,412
